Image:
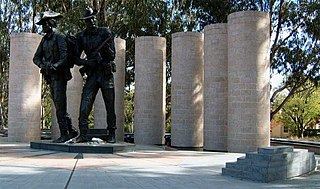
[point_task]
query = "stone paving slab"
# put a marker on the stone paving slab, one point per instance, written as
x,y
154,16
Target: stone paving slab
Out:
x,y
148,167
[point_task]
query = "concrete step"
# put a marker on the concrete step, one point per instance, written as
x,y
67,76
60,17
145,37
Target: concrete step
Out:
x,y
267,165
235,173
275,150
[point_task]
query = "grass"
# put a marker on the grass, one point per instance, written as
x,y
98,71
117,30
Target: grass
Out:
x,y
314,139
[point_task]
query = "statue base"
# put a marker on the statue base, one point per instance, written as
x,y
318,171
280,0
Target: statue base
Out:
x,y
90,147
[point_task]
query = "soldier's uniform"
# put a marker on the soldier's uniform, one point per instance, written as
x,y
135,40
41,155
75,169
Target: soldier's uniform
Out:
x,y
51,57
99,68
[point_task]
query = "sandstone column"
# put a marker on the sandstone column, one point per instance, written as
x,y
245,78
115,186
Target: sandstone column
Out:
x,y
24,114
216,87
248,81
74,91
150,90
100,116
187,90
119,78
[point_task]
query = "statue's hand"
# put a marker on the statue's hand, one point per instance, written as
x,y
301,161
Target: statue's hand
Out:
x,y
54,66
84,62
47,64
78,63
113,66
98,57
81,62
42,66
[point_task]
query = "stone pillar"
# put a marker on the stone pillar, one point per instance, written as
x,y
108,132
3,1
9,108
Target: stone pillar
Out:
x,y
100,116
24,114
248,81
187,90
74,91
119,78
150,90
216,87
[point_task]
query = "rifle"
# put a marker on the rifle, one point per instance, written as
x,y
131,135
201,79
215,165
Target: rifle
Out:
x,y
94,54
102,44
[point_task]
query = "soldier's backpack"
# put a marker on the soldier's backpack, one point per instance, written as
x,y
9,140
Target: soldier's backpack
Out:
x,y
71,46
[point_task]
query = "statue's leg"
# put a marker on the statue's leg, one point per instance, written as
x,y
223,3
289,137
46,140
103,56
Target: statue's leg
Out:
x,y
89,92
58,92
109,100
72,131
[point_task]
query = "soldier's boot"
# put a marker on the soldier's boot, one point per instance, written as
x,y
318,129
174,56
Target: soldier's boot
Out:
x,y
63,137
72,131
111,135
82,137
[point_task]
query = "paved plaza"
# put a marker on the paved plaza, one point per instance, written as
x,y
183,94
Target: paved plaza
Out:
x,y
148,167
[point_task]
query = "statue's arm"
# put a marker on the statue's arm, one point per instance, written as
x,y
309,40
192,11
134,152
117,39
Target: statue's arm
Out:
x,y
88,62
108,52
62,47
79,49
38,56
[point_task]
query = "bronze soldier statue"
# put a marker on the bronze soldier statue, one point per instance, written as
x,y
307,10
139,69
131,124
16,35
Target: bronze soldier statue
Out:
x,y
98,45
51,58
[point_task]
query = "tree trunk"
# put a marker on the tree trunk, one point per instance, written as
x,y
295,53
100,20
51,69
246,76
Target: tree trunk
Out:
x,y
34,14
20,16
102,18
300,131
1,118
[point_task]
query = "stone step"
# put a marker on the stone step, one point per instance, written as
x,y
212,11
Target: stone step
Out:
x,y
238,166
267,165
254,156
275,149
235,173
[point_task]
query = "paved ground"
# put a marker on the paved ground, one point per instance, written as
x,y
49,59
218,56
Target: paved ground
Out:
x,y
149,167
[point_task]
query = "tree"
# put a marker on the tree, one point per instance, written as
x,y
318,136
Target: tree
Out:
x,y
1,118
300,111
295,49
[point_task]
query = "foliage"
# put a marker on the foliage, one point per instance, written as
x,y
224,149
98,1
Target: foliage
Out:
x,y
128,112
301,111
168,108
4,58
46,106
295,49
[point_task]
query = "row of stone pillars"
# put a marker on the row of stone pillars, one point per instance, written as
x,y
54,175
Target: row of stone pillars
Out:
x,y
220,87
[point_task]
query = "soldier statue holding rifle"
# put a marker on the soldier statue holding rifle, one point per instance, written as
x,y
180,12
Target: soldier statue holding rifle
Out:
x,y
98,45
